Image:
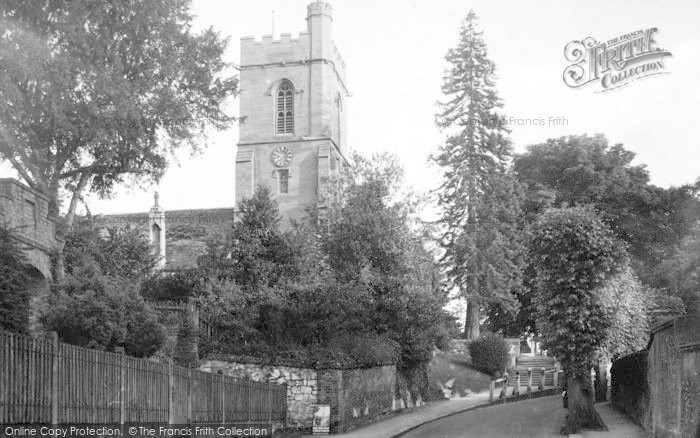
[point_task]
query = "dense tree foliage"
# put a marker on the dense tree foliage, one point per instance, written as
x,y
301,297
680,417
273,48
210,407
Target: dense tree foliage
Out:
x,y
14,284
372,236
90,309
257,253
574,253
581,170
479,200
654,222
628,301
680,273
118,252
97,96
355,285
490,353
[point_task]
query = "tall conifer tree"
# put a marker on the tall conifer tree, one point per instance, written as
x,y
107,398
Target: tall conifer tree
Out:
x,y
479,199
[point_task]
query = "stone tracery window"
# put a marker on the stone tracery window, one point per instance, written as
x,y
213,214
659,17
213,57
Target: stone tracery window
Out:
x,y
285,108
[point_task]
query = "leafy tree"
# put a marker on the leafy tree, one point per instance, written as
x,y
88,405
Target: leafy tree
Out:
x,y
490,353
372,236
680,274
92,310
257,253
576,170
118,252
14,284
480,202
629,303
96,96
574,253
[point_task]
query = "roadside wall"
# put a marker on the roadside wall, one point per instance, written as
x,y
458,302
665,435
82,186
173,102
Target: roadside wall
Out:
x,y
355,395
667,402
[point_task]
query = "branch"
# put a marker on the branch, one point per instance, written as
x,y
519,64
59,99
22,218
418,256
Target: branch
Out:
x,y
77,194
22,172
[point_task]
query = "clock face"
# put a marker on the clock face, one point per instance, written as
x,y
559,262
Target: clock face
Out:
x,y
281,156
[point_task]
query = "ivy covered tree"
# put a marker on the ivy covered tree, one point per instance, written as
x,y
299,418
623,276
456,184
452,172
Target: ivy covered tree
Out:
x,y
480,201
574,254
94,97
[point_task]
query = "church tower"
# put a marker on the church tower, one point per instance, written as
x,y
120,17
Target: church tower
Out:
x,y
293,109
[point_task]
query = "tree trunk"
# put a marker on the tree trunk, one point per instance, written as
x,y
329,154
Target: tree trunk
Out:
x,y
471,324
582,413
60,262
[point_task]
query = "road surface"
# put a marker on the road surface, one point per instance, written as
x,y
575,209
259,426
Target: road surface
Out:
x,y
539,417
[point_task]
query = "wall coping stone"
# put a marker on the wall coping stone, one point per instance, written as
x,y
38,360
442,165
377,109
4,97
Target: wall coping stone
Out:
x,y
291,362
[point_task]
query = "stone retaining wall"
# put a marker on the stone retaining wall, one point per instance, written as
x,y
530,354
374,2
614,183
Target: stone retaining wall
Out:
x,y
302,385
355,395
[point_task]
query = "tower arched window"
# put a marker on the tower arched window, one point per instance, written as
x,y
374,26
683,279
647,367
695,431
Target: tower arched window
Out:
x,y
285,108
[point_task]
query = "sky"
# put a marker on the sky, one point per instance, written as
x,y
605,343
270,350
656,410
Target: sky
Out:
x,y
394,51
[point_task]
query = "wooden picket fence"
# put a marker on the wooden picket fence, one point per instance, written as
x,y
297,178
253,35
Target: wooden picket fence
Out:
x,y
46,381
529,383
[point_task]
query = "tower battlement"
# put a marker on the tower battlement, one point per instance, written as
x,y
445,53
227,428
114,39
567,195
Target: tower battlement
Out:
x,y
314,44
320,8
269,50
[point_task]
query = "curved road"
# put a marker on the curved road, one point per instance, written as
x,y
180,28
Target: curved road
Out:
x,y
540,417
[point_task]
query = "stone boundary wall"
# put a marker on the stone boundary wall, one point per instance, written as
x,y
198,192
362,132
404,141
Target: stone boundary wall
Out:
x,y
302,385
667,404
355,395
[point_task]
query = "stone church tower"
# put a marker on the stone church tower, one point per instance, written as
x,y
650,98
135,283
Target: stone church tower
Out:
x,y
293,109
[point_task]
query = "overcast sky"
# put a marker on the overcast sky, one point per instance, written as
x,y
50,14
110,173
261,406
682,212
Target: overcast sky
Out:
x,y
394,51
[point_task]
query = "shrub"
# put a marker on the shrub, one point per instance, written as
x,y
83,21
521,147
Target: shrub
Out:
x,y
96,311
177,286
489,353
118,252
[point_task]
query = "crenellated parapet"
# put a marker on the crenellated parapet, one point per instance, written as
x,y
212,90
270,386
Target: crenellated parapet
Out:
x,y
270,51
315,45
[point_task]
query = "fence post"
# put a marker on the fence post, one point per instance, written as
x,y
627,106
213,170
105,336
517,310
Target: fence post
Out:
x,y
122,387
556,376
171,392
492,386
529,382
249,402
223,398
189,395
541,388
54,378
504,389
269,404
516,388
